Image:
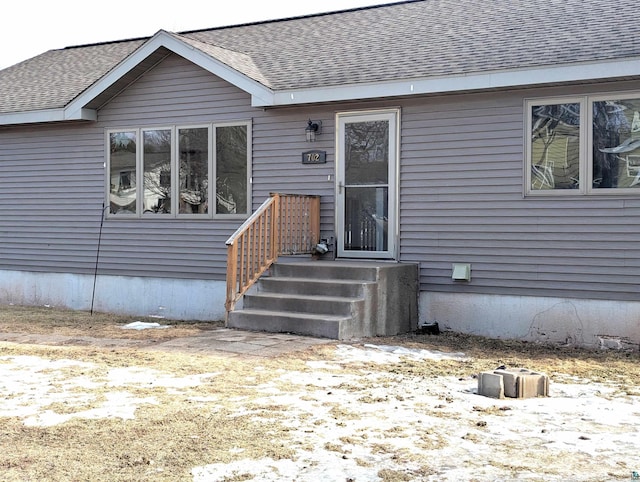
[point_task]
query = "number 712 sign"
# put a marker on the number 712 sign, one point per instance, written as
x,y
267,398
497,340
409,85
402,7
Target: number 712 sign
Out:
x,y
314,157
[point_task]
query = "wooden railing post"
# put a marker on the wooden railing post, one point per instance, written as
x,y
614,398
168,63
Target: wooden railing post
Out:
x,y
314,219
275,226
232,275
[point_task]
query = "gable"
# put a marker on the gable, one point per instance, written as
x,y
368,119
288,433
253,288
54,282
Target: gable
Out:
x,y
175,90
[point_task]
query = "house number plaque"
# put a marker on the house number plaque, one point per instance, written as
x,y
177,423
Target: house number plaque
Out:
x,y
314,157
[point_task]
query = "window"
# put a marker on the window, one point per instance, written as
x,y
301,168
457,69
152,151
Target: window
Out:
x,y
156,171
555,146
193,161
584,145
231,169
173,167
616,143
122,171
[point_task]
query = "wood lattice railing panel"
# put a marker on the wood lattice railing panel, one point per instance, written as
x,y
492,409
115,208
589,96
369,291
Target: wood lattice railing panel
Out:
x,y
283,224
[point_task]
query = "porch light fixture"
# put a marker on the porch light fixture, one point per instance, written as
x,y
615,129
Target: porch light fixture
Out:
x,y
313,129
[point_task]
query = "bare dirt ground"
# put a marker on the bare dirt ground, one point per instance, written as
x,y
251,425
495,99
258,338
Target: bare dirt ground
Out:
x,y
391,409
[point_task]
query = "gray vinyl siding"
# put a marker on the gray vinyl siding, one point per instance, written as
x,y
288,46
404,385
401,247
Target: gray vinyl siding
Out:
x,y
279,141
460,197
51,184
462,201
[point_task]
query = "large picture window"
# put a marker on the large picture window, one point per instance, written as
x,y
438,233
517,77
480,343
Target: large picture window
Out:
x,y
167,171
585,145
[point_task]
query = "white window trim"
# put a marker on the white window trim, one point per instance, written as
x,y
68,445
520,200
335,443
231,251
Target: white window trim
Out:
x,y
175,172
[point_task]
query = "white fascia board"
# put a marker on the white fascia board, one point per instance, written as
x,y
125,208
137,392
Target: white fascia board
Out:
x,y
48,115
81,114
459,83
163,39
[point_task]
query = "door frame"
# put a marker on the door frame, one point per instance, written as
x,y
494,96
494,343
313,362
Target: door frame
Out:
x,y
393,229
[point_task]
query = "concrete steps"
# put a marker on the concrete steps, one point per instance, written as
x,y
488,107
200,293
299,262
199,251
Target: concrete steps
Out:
x,y
331,299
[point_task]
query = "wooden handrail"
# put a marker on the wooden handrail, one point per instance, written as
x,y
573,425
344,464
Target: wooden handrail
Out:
x,y
283,224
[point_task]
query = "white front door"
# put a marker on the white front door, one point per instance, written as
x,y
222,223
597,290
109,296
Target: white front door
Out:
x,y
366,172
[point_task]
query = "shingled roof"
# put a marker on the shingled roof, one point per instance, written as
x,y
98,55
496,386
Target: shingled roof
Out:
x,y
396,49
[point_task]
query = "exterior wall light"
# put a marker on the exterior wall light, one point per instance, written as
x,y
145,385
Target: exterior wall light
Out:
x,y
313,129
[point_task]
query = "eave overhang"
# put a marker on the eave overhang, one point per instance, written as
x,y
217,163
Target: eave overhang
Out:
x,y
48,115
503,79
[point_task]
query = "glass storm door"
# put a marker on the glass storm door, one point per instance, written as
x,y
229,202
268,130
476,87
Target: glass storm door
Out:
x,y
366,179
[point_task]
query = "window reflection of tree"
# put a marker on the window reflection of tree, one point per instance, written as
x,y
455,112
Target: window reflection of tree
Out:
x,y
366,152
231,169
555,123
122,158
122,141
157,171
612,128
193,171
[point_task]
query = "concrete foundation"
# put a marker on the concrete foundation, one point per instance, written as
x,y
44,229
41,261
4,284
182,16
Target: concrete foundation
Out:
x,y
587,323
161,297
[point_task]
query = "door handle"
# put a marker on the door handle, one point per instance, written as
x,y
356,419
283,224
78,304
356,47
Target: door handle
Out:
x,y
340,186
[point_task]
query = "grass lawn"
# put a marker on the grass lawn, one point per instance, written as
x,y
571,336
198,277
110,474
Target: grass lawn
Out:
x,y
93,413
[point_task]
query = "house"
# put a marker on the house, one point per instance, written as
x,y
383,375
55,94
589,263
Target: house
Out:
x,y
494,146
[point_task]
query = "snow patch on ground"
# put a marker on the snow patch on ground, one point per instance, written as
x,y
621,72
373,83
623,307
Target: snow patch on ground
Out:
x,y
30,384
117,405
356,423
144,325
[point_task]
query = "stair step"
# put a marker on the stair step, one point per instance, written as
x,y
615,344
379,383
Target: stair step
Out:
x,y
348,288
324,326
327,270
317,304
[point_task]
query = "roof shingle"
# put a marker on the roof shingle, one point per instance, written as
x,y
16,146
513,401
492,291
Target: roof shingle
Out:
x,y
409,40
54,78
